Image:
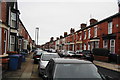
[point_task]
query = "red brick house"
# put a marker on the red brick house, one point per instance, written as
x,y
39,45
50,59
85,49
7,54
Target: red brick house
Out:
x,y
12,31
9,26
24,39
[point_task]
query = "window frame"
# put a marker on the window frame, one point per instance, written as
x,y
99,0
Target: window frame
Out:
x,y
110,27
106,44
111,46
12,43
13,19
85,35
95,31
89,33
96,44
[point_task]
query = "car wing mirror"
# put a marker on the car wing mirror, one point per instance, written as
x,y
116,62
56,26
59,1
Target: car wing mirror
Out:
x,y
45,77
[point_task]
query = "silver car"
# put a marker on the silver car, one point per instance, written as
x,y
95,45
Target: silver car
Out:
x,y
45,57
71,69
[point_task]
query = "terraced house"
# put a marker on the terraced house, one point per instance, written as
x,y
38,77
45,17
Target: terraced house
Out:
x,y
13,35
99,34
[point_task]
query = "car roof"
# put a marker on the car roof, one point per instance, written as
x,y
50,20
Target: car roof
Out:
x,y
69,60
49,53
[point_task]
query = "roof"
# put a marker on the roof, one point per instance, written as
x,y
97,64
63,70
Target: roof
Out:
x,y
68,60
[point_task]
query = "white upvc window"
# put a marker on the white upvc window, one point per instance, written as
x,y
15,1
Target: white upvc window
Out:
x,y
96,44
88,33
95,31
112,46
5,41
105,44
12,42
13,20
109,27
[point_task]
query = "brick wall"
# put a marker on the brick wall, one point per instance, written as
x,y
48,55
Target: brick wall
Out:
x,y
3,11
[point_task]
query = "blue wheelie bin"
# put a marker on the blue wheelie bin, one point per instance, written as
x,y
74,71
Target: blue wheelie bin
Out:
x,y
13,62
23,56
19,61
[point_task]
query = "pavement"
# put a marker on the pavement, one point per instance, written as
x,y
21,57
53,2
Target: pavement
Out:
x,y
111,66
28,71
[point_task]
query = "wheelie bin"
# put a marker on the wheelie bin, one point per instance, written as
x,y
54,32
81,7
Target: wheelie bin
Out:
x,y
19,61
13,62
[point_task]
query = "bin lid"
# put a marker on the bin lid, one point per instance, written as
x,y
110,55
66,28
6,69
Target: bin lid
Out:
x,y
16,56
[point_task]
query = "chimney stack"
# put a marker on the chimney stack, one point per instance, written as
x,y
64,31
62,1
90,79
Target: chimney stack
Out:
x,y
92,21
61,37
83,25
72,30
57,38
51,39
65,34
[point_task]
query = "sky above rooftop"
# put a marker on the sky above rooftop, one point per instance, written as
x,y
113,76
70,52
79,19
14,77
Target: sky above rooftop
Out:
x,y
54,17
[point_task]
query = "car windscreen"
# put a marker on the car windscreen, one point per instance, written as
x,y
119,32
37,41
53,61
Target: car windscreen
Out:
x,y
39,53
87,71
71,52
86,52
47,57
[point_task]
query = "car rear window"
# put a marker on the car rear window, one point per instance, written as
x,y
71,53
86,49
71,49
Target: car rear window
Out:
x,y
76,71
47,57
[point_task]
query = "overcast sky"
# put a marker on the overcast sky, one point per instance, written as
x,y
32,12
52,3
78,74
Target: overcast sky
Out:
x,y
54,17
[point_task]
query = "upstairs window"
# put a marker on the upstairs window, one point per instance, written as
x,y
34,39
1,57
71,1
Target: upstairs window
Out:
x,y
13,20
88,33
80,37
95,31
109,27
84,34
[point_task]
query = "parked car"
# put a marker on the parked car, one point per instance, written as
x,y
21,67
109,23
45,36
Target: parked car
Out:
x,y
61,52
37,55
45,57
79,53
71,69
68,53
87,54
53,50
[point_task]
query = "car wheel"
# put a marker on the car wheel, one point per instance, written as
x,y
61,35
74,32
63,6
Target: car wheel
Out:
x,y
34,62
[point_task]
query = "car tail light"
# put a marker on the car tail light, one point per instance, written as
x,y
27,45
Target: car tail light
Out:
x,y
81,54
37,56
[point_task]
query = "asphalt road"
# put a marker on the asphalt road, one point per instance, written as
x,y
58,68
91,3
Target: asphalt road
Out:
x,y
113,74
